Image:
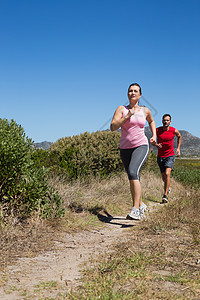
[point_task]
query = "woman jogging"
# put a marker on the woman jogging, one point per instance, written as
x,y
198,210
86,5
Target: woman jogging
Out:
x,y
134,147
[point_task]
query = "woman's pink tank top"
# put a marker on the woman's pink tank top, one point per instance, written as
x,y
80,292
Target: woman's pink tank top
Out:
x,y
132,131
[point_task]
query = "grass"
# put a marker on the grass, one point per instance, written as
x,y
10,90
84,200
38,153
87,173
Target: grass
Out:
x,y
135,275
132,272
168,241
187,171
45,285
188,162
159,259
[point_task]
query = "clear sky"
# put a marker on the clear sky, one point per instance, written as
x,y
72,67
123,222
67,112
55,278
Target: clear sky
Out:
x,y
65,65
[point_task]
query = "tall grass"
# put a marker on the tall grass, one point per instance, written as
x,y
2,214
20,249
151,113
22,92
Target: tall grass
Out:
x,y
187,171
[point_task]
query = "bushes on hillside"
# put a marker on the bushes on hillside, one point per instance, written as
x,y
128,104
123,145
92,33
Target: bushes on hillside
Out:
x,y
86,154
23,184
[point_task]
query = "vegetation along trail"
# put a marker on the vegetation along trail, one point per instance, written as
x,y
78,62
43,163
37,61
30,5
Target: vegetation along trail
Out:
x,y
63,232
97,235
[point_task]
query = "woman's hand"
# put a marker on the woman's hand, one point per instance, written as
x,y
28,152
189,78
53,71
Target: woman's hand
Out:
x,y
153,140
131,112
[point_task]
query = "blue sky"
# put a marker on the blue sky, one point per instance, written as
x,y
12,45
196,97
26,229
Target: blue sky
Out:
x,y
65,66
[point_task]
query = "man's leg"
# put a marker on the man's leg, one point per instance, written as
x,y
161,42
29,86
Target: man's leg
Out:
x,y
166,180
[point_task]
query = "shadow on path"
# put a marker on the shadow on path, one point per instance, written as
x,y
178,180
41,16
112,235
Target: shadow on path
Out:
x,y
107,218
151,200
155,201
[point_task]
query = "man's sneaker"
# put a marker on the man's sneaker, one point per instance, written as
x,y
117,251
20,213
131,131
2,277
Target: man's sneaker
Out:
x,y
142,209
164,199
134,214
169,191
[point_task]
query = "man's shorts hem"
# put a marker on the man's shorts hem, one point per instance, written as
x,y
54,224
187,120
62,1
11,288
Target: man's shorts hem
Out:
x,y
166,162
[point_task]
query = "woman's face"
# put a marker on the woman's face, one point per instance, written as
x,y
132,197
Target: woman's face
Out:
x,y
134,93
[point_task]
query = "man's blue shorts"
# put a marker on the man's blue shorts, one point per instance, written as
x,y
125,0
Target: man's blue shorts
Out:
x,y
166,162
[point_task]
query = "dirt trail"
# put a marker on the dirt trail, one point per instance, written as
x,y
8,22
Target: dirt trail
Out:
x,y
59,270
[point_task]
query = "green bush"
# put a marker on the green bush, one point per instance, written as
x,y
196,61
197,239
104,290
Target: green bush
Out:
x,y
82,155
23,184
47,159
86,154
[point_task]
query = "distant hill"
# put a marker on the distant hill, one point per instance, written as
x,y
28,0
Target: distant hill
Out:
x,y
43,145
190,145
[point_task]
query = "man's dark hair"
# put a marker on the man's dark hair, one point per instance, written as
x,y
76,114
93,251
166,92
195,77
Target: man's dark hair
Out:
x,y
167,115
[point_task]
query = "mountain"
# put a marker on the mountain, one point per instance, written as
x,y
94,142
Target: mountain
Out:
x,y
190,145
43,145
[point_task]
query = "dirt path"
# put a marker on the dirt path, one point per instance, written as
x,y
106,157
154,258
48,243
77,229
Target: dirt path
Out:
x,y
59,270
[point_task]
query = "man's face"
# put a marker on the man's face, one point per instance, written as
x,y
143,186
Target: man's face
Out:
x,y
166,121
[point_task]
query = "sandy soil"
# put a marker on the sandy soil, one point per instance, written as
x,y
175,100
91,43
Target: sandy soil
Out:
x,y
59,270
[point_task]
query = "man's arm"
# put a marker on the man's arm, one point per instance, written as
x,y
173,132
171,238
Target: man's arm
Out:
x,y
179,139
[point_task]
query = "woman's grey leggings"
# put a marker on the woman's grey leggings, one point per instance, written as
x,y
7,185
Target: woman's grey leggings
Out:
x,y
133,159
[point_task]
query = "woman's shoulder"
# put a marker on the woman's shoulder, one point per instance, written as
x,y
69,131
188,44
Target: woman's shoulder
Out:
x,y
121,108
145,109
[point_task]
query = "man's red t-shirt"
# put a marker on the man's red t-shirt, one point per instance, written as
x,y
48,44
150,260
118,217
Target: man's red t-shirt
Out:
x,y
166,138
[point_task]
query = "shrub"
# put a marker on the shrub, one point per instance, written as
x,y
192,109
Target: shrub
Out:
x,y
47,159
23,184
86,154
82,155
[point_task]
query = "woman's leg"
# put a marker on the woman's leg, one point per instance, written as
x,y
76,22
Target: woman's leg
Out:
x,y
136,193
133,160
138,158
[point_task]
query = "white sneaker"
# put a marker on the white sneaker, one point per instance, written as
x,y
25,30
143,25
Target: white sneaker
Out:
x,y
142,209
169,191
134,214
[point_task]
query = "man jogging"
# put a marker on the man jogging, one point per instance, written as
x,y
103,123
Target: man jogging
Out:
x,y
166,155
